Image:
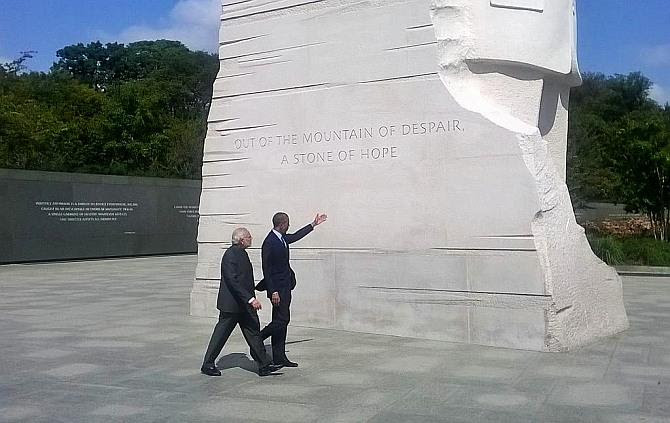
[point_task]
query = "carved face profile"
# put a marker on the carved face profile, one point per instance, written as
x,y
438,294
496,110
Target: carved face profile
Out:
x,y
538,34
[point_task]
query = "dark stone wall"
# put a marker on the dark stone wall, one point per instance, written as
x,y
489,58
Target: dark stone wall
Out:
x,y
58,216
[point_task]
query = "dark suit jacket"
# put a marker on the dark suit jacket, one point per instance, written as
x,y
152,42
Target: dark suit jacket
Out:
x,y
237,281
277,272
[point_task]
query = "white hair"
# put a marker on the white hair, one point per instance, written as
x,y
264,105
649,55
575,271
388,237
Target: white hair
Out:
x,y
238,234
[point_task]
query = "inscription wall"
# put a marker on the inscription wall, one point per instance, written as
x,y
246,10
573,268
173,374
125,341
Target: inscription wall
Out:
x,y
57,216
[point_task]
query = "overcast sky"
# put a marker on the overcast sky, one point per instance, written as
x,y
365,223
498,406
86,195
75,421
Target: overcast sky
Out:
x,y
615,36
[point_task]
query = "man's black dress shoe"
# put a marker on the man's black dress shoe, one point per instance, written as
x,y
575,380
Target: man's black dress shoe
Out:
x,y
211,371
267,370
286,363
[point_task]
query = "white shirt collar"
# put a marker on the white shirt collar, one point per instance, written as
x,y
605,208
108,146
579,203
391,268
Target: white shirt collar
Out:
x,y
280,236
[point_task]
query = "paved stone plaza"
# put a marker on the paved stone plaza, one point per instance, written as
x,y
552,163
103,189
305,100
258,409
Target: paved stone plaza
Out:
x,y
111,341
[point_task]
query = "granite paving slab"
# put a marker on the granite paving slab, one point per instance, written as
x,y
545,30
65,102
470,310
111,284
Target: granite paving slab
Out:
x,y
112,341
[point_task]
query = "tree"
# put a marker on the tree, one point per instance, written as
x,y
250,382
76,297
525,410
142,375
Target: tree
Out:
x,y
639,153
104,65
94,64
46,122
138,109
18,65
595,106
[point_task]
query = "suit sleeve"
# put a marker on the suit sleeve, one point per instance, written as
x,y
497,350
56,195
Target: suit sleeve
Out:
x,y
230,266
300,234
265,260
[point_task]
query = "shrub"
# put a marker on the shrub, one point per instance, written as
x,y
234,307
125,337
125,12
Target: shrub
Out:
x,y
639,251
608,249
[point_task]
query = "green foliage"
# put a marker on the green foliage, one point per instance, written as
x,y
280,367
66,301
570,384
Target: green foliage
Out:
x,y
646,251
139,109
607,248
595,108
639,152
619,147
630,251
16,66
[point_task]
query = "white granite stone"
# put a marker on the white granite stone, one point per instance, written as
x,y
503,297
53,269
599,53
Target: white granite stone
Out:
x,y
433,133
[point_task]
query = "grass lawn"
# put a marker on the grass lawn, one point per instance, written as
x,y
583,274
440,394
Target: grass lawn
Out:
x,y
640,251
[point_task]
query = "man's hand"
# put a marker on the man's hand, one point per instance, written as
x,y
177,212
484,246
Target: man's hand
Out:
x,y
319,219
256,305
275,298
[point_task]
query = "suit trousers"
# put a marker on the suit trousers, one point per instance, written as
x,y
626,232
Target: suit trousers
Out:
x,y
281,316
250,326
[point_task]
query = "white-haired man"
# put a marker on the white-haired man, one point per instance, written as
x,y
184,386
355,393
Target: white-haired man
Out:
x,y
238,306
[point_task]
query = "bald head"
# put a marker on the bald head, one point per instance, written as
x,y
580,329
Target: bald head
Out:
x,y
241,237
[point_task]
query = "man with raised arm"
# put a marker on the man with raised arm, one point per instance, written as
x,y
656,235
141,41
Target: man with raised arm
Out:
x,y
279,280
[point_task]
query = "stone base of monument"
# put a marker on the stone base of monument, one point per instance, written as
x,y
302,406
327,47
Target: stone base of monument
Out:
x,y
434,295
457,296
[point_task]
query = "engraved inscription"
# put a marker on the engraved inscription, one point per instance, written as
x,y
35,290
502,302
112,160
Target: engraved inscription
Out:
x,y
68,211
369,143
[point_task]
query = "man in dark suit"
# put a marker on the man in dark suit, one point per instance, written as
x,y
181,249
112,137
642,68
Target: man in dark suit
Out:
x,y
279,281
237,305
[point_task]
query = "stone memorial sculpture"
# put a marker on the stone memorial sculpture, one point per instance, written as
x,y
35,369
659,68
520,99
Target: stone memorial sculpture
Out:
x,y
433,133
